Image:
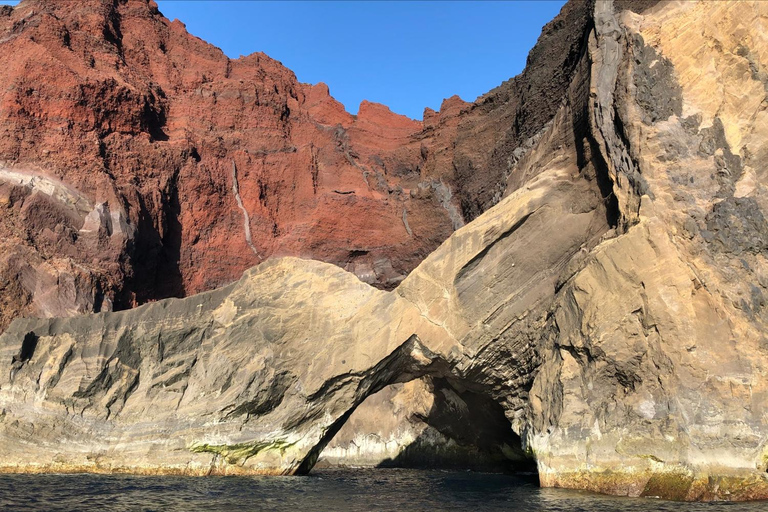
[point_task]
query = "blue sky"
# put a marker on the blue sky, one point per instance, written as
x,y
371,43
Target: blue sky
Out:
x,y
407,55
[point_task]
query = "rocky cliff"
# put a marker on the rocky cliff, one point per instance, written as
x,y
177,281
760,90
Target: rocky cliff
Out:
x,y
138,162
601,314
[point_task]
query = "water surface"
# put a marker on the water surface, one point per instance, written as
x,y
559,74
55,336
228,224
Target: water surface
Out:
x,y
325,490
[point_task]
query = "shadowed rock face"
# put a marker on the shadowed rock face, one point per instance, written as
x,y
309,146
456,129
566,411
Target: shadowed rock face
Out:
x,y
610,305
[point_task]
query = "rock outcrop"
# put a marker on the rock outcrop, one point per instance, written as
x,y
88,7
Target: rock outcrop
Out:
x,y
604,318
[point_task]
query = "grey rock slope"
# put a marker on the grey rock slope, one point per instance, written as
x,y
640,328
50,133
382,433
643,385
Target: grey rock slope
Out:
x,y
610,307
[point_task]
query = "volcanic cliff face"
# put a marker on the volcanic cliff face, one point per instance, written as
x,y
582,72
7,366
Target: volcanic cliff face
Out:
x,y
602,315
138,162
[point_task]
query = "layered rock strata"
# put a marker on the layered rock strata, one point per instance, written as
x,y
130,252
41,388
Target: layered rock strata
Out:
x,y
611,306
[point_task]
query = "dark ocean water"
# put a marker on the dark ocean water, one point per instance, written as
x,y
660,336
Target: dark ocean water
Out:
x,y
325,490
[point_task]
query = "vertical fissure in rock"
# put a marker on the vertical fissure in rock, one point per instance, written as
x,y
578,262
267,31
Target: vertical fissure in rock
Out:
x,y
405,222
246,217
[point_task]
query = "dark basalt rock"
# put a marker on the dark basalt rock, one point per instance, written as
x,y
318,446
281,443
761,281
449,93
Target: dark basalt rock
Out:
x,y
657,91
737,226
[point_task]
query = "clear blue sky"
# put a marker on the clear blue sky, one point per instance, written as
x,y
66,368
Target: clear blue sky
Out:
x,y
407,55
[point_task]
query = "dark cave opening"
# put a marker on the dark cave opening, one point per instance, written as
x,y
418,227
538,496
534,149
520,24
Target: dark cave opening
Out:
x,y
28,347
448,427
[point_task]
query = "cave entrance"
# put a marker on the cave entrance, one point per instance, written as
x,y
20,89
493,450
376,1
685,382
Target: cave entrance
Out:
x,y
430,422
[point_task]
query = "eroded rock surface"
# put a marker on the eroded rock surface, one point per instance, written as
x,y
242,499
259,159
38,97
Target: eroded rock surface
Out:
x,y
610,304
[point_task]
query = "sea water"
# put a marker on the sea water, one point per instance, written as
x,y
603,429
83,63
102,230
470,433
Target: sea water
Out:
x,y
324,490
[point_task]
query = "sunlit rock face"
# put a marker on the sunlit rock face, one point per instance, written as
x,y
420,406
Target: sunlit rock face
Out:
x,y
602,313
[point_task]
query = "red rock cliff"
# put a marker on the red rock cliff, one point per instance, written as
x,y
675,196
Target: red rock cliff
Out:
x,y
138,162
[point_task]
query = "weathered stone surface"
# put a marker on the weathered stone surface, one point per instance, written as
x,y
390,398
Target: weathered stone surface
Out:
x,y
610,306
655,382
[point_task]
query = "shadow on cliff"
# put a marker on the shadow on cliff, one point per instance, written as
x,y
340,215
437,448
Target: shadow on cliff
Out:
x,y
156,254
465,431
169,279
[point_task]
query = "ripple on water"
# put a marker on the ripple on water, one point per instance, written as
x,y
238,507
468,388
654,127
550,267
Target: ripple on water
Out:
x,y
325,490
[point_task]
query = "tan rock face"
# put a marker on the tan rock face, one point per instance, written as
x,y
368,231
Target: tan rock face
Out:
x,y
610,307
658,368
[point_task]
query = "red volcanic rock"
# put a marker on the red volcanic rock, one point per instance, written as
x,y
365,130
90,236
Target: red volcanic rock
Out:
x,y
138,162
190,167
